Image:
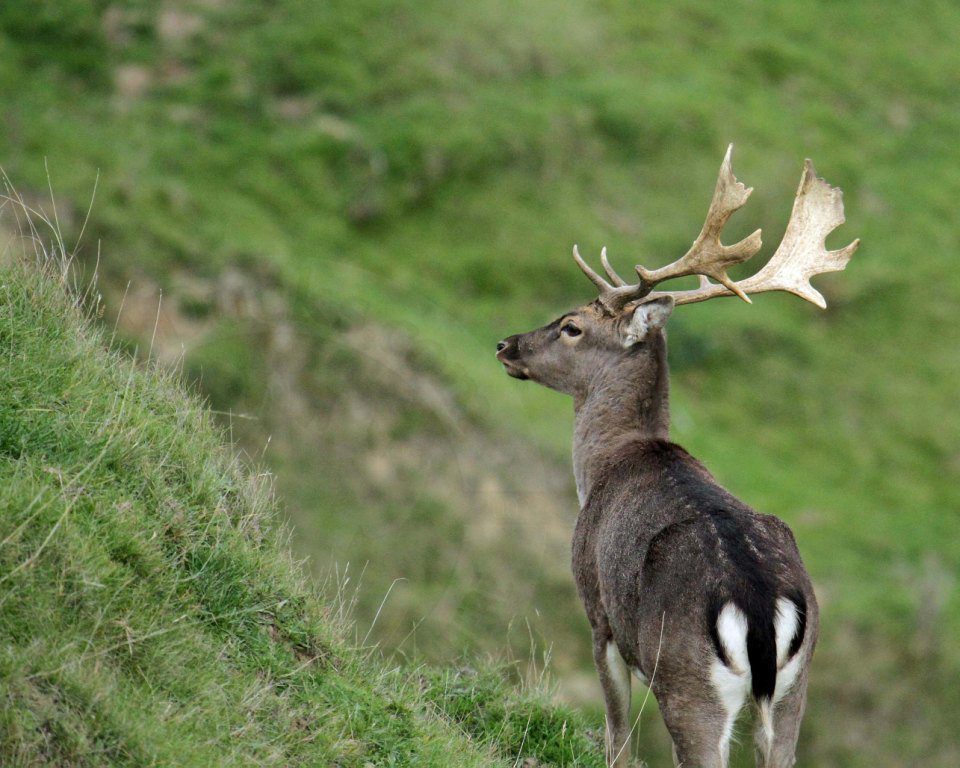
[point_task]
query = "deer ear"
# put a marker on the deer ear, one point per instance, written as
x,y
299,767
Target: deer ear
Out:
x,y
648,316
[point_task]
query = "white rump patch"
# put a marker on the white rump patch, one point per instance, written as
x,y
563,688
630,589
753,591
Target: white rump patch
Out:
x,y
732,683
784,628
786,678
732,629
785,625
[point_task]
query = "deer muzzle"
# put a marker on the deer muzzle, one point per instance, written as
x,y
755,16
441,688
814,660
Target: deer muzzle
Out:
x,y
508,353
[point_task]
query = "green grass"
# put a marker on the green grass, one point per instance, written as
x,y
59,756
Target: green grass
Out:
x,y
398,185
150,612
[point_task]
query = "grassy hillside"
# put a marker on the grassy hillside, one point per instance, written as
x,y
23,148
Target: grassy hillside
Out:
x,y
346,204
150,613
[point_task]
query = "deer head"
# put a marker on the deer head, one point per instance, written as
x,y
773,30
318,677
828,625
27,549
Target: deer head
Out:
x,y
619,333
571,353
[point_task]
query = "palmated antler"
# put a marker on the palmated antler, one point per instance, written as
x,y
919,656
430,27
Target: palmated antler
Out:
x,y
817,211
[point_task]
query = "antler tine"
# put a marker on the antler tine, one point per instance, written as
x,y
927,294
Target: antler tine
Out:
x,y
708,256
598,281
802,254
612,297
611,272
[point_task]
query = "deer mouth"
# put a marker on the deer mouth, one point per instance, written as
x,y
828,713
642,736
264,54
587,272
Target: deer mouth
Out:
x,y
508,353
515,371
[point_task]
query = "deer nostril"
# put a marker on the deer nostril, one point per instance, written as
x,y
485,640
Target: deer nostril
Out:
x,y
502,345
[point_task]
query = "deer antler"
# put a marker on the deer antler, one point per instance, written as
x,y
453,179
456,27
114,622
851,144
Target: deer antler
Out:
x,y
817,211
708,256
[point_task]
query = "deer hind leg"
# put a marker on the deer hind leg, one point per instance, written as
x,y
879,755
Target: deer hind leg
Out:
x,y
779,724
701,731
700,714
615,680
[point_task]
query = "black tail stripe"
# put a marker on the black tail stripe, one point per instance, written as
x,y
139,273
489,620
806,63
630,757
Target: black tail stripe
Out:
x,y
762,654
800,602
713,614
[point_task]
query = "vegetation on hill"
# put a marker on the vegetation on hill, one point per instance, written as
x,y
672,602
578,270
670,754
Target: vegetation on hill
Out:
x,y
345,205
150,612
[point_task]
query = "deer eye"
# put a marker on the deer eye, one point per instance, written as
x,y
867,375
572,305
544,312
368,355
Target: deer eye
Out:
x,y
570,330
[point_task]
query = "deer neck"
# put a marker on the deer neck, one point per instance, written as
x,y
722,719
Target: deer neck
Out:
x,y
627,401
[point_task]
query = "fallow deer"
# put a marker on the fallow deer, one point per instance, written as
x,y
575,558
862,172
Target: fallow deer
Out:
x,y
702,598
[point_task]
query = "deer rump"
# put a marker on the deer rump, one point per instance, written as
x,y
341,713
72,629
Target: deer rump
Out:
x,y
757,593
699,562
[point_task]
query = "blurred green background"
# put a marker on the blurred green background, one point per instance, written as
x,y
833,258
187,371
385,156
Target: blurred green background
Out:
x,y
345,204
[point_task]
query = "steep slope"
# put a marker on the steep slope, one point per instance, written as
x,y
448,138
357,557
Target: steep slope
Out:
x,y
150,613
